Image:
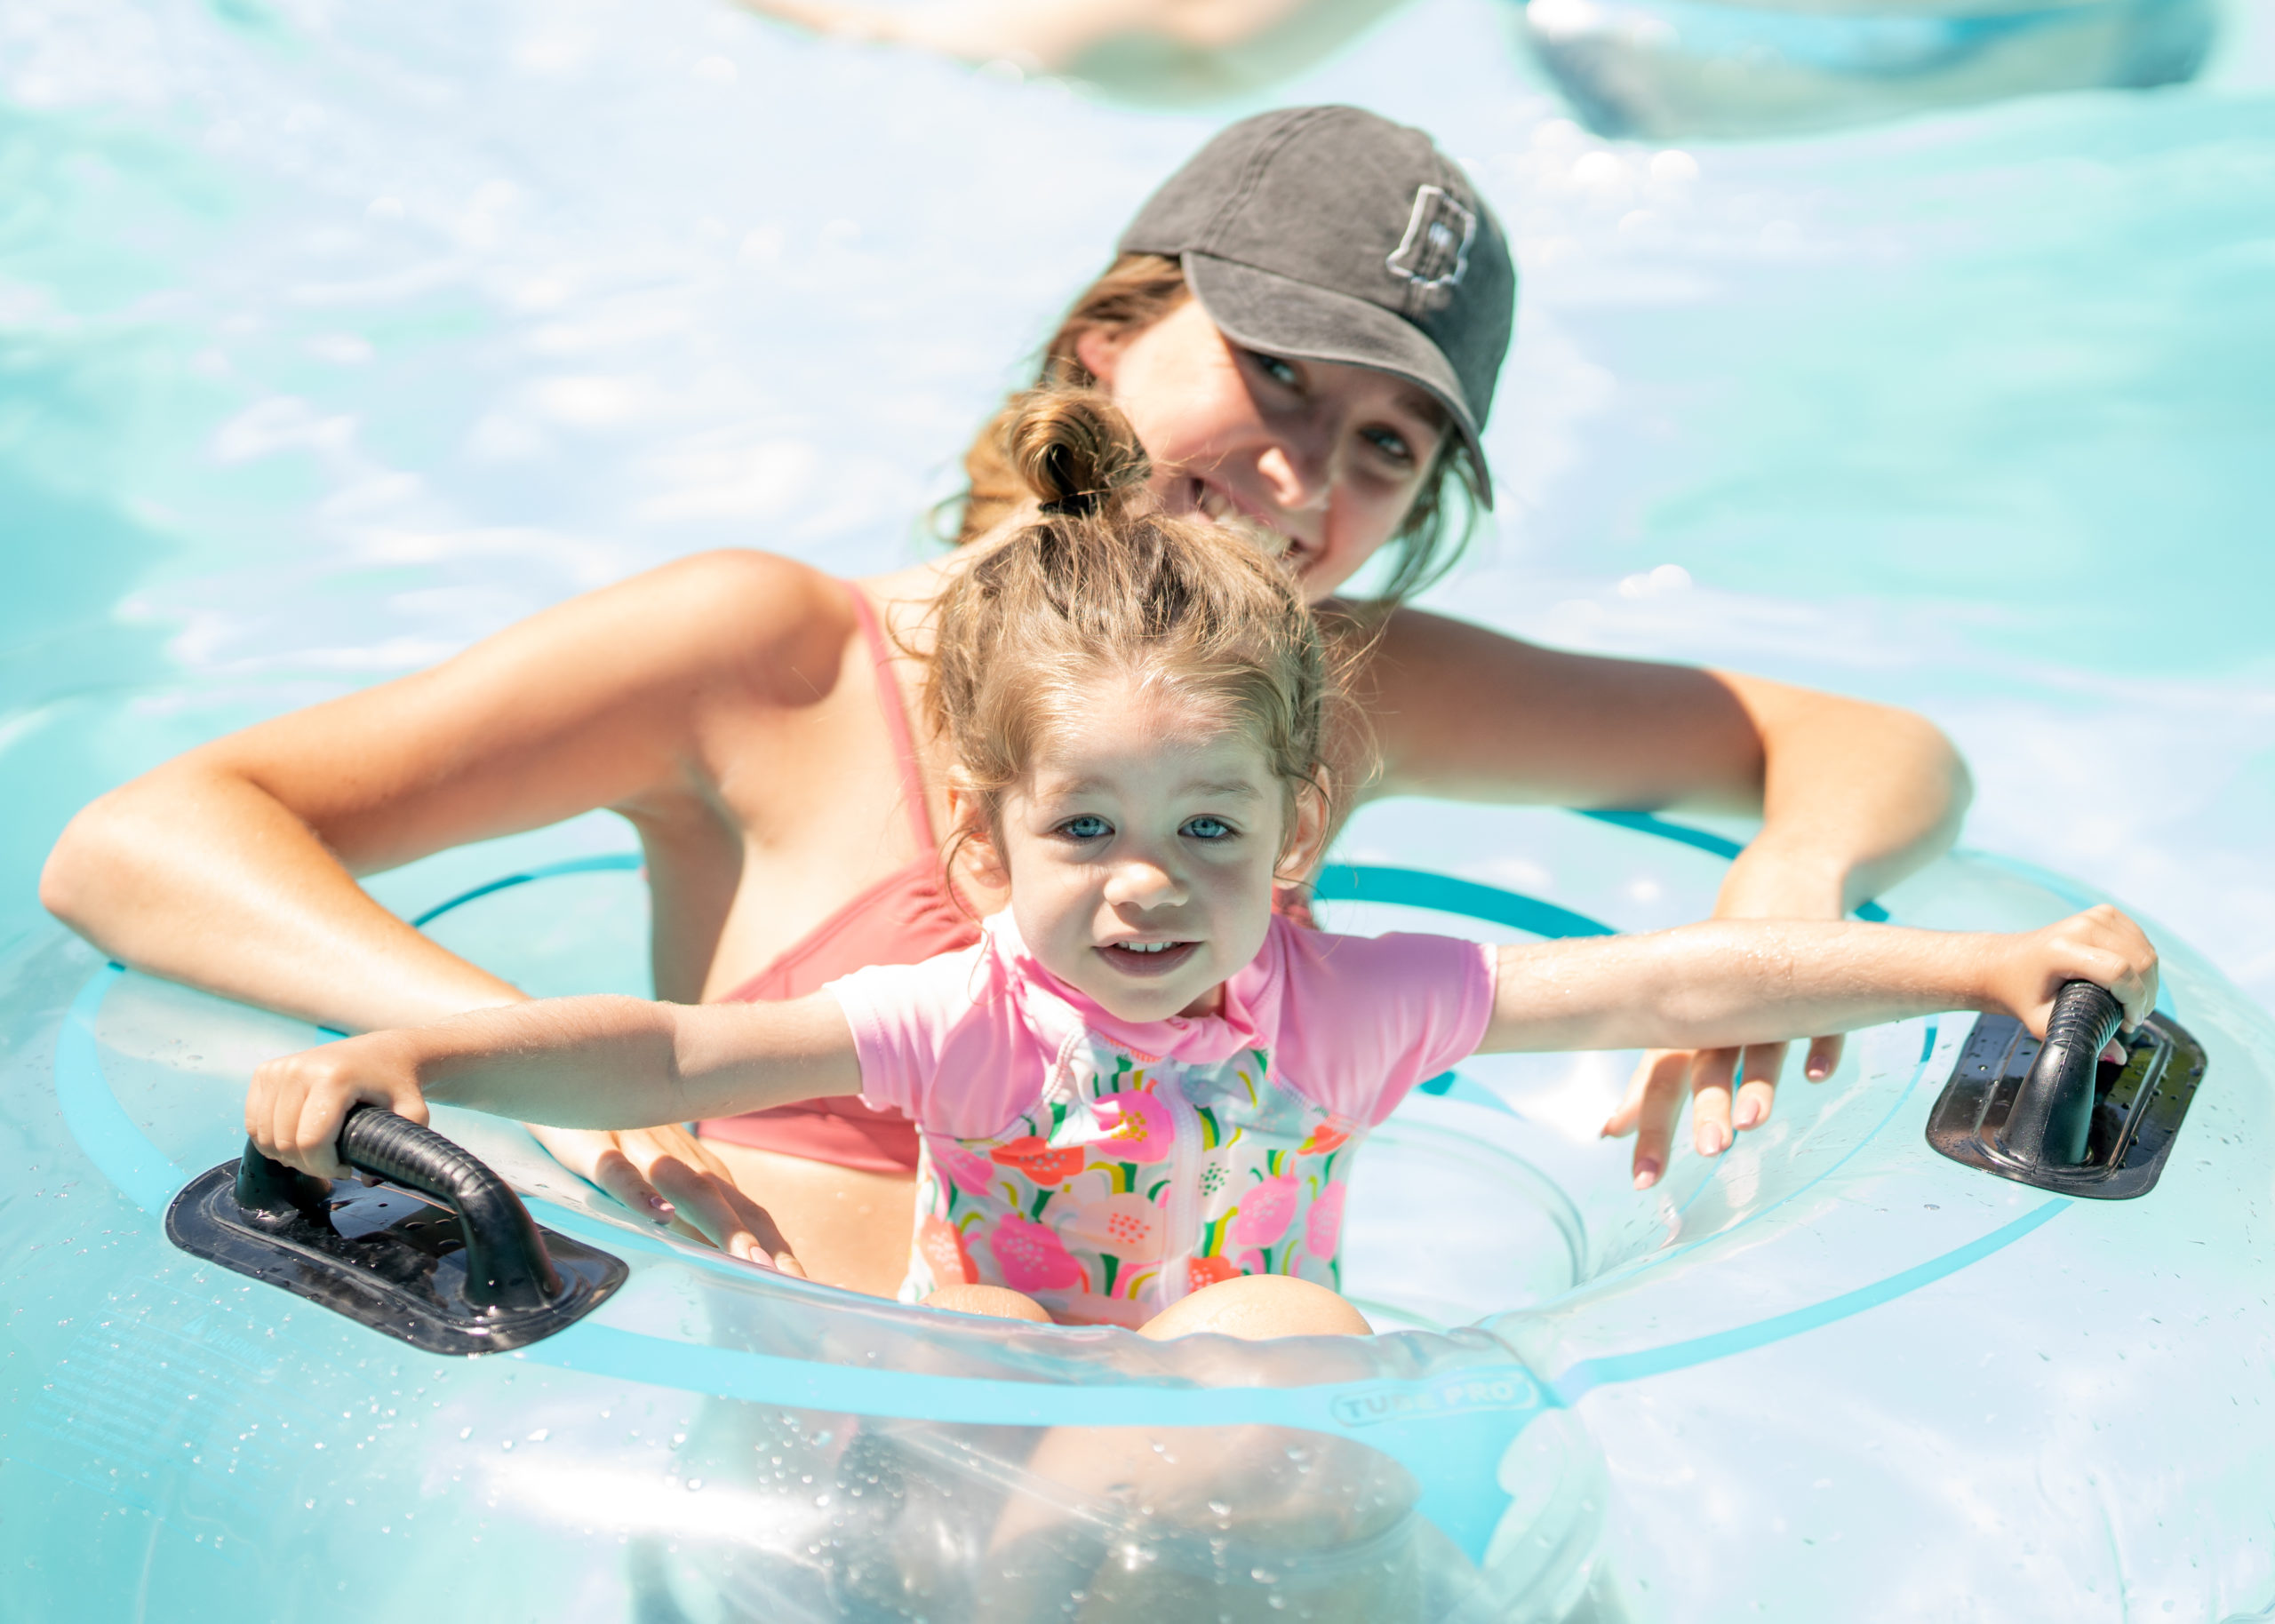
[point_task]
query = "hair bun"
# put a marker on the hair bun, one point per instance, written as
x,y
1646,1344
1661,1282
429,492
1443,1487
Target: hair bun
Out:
x,y
1075,450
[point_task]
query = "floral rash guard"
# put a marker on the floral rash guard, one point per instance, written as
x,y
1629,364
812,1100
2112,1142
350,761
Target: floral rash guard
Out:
x,y
1106,1168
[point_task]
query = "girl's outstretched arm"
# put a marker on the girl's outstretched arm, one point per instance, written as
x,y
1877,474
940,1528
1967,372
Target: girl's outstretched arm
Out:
x,y
590,1062
1739,982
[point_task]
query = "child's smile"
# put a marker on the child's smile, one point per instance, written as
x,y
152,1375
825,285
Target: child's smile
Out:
x,y
1142,851
1143,958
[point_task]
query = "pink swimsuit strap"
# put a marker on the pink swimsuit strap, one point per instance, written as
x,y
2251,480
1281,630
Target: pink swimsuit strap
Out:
x,y
896,715
905,918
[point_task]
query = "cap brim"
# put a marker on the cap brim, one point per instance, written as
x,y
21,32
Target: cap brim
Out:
x,y
1282,316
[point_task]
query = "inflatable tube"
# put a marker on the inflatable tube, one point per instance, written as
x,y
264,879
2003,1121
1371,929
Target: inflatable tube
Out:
x,y
1831,1372
1679,70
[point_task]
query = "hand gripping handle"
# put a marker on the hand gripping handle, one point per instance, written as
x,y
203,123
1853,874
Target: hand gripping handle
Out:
x,y
506,1262
2055,1111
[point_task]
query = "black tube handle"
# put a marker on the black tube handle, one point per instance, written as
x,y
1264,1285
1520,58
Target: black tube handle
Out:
x,y
506,1262
273,1194
2055,1111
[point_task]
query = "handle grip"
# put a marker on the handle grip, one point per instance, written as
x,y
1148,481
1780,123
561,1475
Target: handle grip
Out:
x,y
2055,1111
506,1263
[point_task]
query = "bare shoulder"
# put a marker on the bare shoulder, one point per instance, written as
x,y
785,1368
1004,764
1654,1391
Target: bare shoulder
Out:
x,y
740,610
627,675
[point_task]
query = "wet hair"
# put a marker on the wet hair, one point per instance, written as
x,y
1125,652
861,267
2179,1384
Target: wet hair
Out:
x,y
1136,292
1104,586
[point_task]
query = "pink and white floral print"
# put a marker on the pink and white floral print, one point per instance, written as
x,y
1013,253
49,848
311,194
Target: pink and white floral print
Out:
x,y
1265,1212
1029,1257
1140,1129
1077,1201
1129,1226
971,1174
1323,1226
940,1244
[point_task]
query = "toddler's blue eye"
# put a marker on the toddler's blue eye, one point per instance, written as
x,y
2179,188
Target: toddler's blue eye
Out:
x,y
1207,828
1087,827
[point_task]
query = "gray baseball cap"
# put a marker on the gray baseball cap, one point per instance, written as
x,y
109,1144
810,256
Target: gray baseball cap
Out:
x,y
1330,233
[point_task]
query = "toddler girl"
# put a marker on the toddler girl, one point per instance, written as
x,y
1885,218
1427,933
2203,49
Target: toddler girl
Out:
x,y
1141,1092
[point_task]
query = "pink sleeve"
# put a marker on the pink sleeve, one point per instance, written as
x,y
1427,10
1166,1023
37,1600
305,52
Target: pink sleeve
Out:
x,y
940,1043
1365,1018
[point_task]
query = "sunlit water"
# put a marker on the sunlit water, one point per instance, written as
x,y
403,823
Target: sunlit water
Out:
x,y
332,337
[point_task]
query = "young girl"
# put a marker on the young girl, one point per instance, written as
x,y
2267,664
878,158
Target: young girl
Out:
x,y
1141,1085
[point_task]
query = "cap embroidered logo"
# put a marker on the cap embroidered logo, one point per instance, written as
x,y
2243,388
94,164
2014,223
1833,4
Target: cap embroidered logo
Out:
x,y
1434,254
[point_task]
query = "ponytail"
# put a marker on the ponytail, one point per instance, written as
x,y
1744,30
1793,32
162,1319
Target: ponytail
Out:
x,y
1103,584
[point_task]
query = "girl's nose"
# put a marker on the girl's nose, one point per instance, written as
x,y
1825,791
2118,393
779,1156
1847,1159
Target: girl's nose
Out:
x,y
1143,882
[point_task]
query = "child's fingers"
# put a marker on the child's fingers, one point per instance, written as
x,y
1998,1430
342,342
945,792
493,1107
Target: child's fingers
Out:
x,y
1710,1074
2138,990
296,1104
2112,951
288,1109
271,1109
317,1134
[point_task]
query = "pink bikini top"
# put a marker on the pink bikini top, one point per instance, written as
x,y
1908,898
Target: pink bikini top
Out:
x,y
905,918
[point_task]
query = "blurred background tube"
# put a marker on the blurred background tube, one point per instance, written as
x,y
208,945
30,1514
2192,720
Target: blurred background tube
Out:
x,y
1690,68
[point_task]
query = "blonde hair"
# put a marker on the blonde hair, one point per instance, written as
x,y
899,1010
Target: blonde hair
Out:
x,y
1136,292
1104,583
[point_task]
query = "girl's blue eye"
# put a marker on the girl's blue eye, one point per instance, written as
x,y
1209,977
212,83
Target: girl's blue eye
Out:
x,y
1087,827
1206,828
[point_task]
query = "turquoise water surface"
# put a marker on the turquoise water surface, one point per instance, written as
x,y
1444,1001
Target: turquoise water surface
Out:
x,y
333,338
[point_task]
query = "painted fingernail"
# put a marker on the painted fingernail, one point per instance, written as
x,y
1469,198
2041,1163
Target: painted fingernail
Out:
x,y
1647,1174
1748,1113
658,1203
1817,1073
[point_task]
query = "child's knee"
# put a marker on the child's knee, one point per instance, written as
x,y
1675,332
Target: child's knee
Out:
x,y
1259,1305
994,1301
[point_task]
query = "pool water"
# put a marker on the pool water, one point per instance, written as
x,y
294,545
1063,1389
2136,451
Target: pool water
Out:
x,y
333,338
